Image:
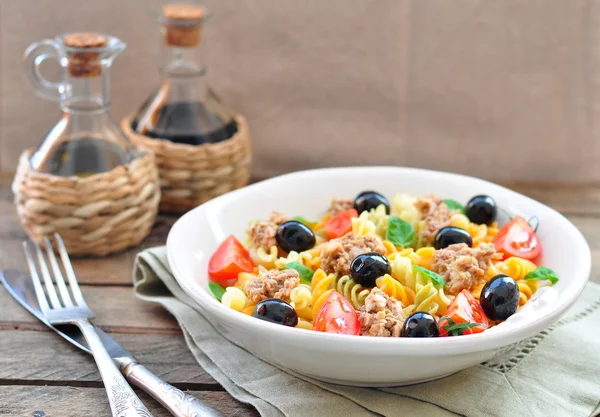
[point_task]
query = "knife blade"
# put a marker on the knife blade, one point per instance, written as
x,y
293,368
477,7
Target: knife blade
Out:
x,y
20,286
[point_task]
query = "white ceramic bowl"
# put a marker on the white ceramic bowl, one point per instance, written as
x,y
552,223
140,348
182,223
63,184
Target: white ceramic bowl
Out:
x,y
368,361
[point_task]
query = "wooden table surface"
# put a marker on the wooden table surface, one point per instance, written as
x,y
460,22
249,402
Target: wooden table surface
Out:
x,y
41,375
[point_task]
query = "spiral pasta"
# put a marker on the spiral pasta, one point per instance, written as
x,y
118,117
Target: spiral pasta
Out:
x,y
403,206
301,300
266,259
526,290
479,232
419,241
354,292
413,283
403,272
390,248
243,278
304,324
362,226
234,298
393,288
515,267
293,256
422,257
460,220
430,300
379,218
322,285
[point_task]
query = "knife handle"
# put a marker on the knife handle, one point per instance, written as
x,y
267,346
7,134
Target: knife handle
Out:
x,y
176,401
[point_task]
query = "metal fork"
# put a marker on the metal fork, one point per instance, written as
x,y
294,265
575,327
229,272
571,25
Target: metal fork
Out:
x,y
67,310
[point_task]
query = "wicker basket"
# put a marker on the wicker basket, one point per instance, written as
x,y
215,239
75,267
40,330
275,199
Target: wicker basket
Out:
x,y
191,175
96,215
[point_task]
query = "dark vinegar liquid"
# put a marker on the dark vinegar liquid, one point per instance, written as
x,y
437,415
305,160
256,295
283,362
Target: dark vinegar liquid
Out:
x,y
190,123
83,157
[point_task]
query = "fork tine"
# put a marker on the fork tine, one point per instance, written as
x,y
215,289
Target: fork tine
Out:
x,y
47,277
37,284
77,295
58,275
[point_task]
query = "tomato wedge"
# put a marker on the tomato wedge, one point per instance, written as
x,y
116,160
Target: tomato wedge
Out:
x,y
340,224
230,258
337,315
517,238
463,309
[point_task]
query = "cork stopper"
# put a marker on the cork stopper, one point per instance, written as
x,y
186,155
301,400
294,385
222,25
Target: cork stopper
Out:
x,y
82,63
183,23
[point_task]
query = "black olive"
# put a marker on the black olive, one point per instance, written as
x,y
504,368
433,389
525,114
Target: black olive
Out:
x,y
420,325
295,236
369,200
276,311
450,235
366,268
481,209
499,297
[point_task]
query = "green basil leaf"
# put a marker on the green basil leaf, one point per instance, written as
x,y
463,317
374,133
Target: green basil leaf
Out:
x,y
458,329
454,205
542,273
217,290
303,220
306,274
437,279
399,231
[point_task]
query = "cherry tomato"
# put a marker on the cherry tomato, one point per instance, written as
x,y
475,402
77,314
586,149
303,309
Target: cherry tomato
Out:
x,y
517,238
228,261
464,308
337,316
340,224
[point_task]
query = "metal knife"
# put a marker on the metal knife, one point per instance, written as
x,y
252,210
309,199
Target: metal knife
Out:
x,y
19,285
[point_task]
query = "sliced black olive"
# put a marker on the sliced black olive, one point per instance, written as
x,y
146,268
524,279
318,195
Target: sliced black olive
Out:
x,y
481,209
450,235
294,236
369,200
499,297
366,268
276,311
420,325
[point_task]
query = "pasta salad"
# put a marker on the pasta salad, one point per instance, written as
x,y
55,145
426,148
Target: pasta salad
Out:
x,y
409,267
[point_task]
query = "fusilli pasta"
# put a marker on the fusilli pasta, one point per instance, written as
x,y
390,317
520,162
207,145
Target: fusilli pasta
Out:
x,y
301,300
234,298
403,206
355,293
322,285
362,226
379,218
266,259
393,288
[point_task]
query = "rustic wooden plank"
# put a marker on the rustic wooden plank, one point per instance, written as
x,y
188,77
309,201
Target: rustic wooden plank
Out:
x,y
575,199
116,309
45,357
50,401
110,270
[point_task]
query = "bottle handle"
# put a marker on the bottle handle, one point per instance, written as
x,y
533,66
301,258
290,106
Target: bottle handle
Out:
x,y
37,53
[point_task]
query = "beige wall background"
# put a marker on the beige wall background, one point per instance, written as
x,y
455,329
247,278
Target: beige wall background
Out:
x,y
503,89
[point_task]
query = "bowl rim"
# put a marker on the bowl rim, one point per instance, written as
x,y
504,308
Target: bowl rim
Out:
x,y
422,346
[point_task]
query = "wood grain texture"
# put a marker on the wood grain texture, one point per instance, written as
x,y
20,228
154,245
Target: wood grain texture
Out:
x,y
41,372
116,309
29,356
33,401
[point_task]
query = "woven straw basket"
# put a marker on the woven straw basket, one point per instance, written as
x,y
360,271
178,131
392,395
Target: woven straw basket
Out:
x,y
191,175
96,215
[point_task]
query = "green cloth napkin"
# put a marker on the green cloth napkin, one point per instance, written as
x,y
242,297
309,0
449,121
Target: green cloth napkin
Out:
x,y
555,373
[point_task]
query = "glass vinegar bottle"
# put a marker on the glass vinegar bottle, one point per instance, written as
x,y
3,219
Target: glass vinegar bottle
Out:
x,y
85,141
183,109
